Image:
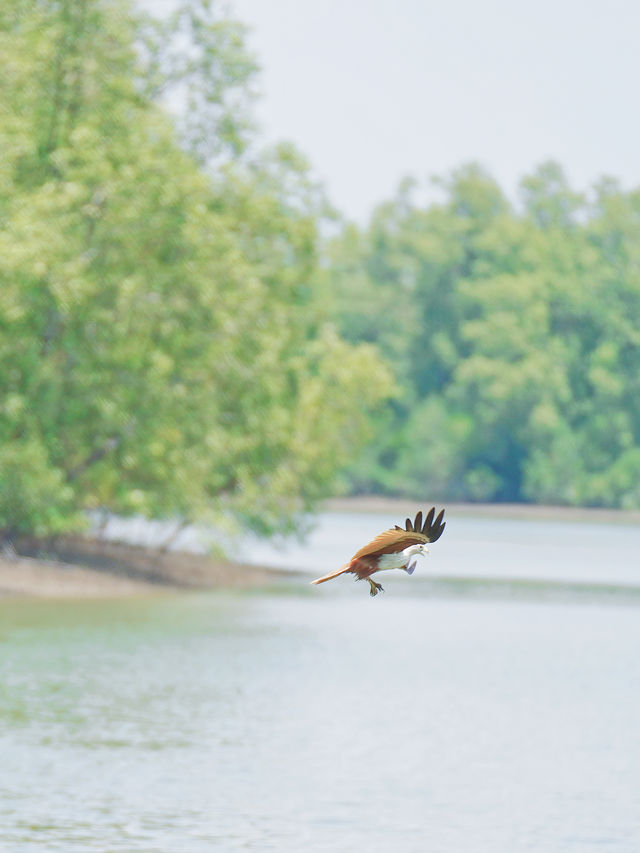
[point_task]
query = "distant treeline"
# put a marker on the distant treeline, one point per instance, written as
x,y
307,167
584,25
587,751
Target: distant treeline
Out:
x,y
513,330
177,340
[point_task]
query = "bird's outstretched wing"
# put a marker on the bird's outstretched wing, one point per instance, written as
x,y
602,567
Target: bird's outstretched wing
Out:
x,y
413,533
431,529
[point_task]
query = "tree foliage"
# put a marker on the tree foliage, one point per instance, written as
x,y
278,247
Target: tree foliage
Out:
x,y
163,348
514,333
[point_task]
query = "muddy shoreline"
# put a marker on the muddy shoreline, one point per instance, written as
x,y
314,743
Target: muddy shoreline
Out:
x,y
85,568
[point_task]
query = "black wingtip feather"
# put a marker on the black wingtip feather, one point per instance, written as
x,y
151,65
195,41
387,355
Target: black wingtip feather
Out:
x,y
430,528
437,533
428,520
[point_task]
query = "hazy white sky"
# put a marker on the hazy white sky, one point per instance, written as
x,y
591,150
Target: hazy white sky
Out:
x,y
372,90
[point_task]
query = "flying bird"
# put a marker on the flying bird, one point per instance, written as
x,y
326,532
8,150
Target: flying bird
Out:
x,y
392,549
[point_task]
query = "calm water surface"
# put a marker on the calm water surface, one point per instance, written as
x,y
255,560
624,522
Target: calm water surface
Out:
x,y
299,718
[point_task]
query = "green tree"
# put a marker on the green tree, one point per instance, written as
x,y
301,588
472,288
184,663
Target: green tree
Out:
x,y
163,348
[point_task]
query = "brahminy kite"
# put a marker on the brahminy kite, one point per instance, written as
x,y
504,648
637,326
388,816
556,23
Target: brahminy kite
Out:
x,y
393,549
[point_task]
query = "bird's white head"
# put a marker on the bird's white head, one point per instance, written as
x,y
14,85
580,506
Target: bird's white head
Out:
x,y
415,551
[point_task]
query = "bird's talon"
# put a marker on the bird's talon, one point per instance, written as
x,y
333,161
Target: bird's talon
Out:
x,y
374,588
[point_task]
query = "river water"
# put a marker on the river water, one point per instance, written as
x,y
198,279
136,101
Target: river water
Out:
x,y
451,717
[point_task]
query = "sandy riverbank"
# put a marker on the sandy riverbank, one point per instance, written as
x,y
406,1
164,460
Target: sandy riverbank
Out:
x,y
93,569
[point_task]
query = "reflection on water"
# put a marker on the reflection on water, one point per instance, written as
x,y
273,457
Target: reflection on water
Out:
x,y
290,722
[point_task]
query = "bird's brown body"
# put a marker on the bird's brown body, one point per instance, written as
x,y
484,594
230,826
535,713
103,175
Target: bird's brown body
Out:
x,y
392,549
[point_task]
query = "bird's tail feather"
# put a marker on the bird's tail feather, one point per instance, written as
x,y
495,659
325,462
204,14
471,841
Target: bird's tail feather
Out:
x,y
332,575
